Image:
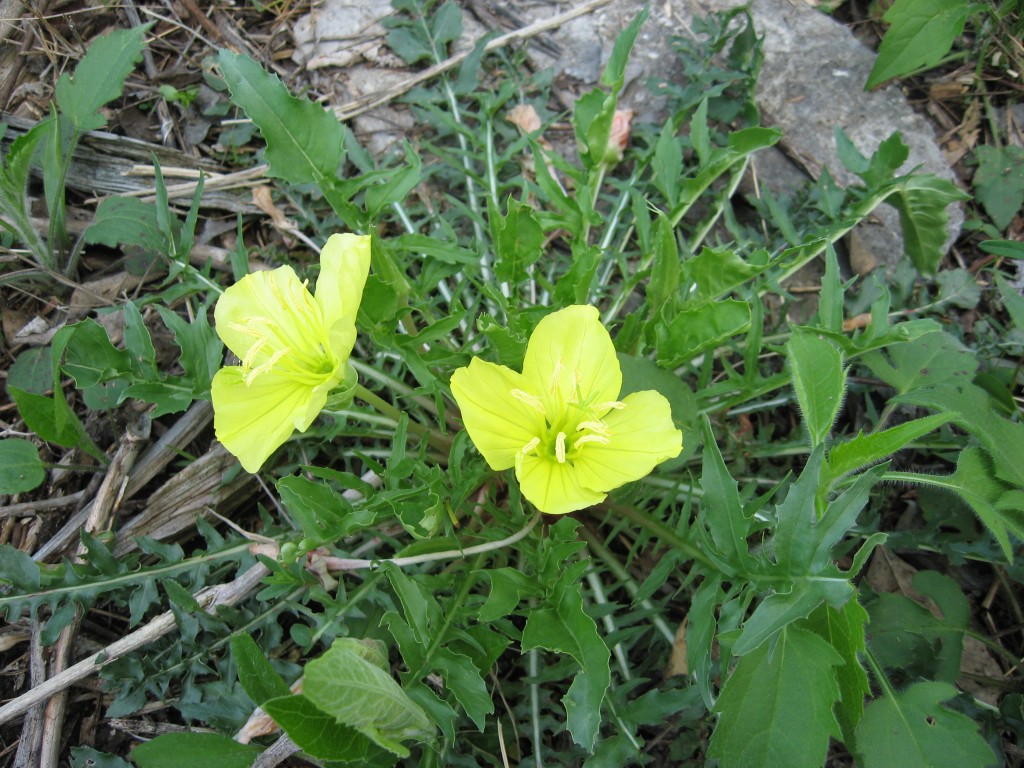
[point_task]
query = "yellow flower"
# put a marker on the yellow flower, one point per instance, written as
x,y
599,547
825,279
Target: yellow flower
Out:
x,y
559,422
294,348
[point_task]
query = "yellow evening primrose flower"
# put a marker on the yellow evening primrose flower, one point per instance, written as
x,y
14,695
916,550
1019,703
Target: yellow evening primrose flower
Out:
x,y
560,422
294,347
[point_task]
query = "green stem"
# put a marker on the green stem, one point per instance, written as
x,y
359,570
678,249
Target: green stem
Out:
x,y
440,442
876,668
667,535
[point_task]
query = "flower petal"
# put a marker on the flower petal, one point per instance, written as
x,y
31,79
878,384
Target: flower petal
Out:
x,y
253,421
552,487
642,436
281,302
570,358
498,423
344,265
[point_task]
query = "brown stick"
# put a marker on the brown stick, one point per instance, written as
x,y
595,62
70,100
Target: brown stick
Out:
x,y
208,599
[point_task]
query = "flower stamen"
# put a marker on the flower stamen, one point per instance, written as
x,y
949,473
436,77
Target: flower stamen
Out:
x,y
531,400
591,439
560,448
526,449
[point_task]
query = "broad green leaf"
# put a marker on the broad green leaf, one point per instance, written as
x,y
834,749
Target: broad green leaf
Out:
x,y
843,629
935,358
693,331
920,33
508,585
717,271
464,680
1002,438
862,450
400,182
90,358
721,508
87,757
664,280
816,366
20,467
357,693
126,221
194,750
420,607
99,76
1008,249
700,634
201,348
881,166
921,201
794,541
32,371
780,609
905,635
776,706
54,421
316,732
615,70
138,344
912,730
667,167
260,681
518,241
304,141
322,513
565,627
958,287
999,182
1012,300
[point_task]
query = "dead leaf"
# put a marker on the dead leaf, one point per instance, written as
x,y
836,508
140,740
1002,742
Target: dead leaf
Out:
x,y
263,198
103,292
677,659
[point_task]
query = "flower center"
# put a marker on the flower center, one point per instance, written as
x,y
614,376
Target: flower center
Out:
x,y
568,427
291,342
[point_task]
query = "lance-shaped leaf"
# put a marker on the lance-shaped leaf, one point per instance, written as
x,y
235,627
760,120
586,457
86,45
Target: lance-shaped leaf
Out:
x,y
819,380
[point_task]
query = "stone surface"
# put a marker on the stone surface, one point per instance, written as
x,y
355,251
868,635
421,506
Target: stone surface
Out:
x,y
811,82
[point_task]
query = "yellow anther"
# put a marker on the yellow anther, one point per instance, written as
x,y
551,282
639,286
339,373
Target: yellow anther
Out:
x,y
268,365
531,400
560,447
616,405
591,439
594,426
530,446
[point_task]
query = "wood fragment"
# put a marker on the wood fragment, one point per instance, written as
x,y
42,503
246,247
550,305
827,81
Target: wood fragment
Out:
x,y
208,599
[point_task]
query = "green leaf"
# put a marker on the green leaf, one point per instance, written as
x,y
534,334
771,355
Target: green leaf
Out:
x,y
201,348
87,757
667,167
768,690
32,371
565,627
921,201
1012,301
934,358
844,631
14,198
357,693
720,507
999,182
126,221
54,421
1008,249
138,344
316,732
816,366
862,450
322,513
693,331
717,271
905,635
920,33
257,677
912,730
780,609
194,750
615,70
1002,438
99,76
507,588
20,467
881,166
90,358
304,141
464,680
518,241
401,181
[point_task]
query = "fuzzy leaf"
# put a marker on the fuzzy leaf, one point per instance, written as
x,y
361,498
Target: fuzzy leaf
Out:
x,y
99,76
935,358
304,141
819,380
912,730
863,450
770,688
921,201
